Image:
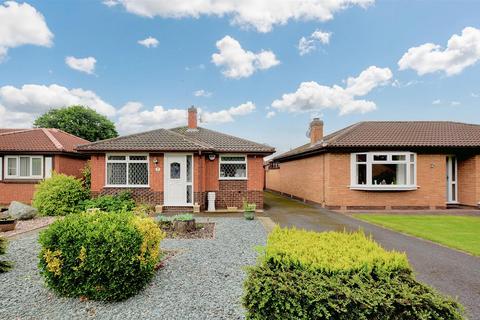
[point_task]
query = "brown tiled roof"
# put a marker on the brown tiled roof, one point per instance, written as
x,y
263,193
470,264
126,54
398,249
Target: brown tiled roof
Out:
x,y
393,134
222,142
177,139
38,140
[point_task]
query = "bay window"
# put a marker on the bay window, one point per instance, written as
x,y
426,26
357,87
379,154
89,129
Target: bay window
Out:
x,y
127,170
23,167
383,171
233,167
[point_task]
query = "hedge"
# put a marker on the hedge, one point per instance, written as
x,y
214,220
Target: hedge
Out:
x,y
122,201
98,255
337,275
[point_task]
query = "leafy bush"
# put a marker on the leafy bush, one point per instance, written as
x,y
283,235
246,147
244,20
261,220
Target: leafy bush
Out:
x,y
177,217
111,203
102,256
87,175
331,275
4,265
59,195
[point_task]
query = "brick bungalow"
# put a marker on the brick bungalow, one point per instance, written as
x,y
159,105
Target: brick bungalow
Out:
x,y
383,165
27,156
178,167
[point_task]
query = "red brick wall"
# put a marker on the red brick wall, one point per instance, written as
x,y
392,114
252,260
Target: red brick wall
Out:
x,y
256,173
469,180
12,191
23,190
69,165
205,176
302,178
97,164
325,179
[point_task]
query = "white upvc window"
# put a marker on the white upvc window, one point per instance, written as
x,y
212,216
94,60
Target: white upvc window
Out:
x,y
233,167
383,171
127,170
23,167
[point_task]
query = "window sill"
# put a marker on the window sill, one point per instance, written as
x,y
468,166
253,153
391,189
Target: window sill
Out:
x,y
126,186
25,181
383,188
230,179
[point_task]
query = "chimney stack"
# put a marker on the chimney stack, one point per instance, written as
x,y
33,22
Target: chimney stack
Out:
x,y
316,131
192,118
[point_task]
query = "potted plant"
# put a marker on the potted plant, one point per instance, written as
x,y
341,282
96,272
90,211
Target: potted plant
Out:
x,y
7,224
249,210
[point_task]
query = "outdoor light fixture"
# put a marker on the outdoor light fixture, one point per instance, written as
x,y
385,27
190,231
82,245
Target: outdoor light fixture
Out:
x,y
211,157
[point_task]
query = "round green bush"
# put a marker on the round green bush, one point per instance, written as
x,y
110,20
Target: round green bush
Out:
x,y
98,255
59,195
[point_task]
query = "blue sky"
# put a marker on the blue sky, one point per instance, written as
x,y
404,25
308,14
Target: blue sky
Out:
x,y
258,61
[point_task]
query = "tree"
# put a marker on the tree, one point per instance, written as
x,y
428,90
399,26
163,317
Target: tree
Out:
x,y
80,121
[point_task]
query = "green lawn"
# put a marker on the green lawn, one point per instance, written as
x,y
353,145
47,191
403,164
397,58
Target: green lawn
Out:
x,y
459,232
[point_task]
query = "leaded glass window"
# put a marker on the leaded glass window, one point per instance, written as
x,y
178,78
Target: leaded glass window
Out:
x,y
233,167
174,170
127,170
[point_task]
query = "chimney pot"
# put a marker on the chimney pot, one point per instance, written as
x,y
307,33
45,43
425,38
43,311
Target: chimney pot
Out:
x,y
316,131
192,117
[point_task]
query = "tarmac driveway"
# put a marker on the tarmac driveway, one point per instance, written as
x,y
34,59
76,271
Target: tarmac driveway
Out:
x,y
450,271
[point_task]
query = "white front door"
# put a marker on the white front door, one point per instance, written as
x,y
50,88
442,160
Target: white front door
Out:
x,y
452,179
178,179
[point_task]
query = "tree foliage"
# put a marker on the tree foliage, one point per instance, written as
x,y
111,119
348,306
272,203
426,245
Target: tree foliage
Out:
x,y
80,121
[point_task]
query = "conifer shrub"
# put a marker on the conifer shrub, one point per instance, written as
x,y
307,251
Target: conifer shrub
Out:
x,y
337,275
98,255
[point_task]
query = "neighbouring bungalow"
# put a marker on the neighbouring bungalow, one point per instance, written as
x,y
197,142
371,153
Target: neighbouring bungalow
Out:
x,y
28,156
177,167
383,165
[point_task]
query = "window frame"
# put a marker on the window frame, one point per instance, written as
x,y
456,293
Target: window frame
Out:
x,y
220,162
17,175
410,185
127,161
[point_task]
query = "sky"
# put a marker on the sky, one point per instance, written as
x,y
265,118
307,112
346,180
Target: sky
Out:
x,y
255,69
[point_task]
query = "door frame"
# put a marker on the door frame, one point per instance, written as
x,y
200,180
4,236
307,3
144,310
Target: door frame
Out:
x,y
166,178
452,185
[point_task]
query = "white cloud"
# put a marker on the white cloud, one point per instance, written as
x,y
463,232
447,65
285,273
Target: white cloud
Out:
x,y
22,24
132,119
86,65
475,95
110,3
202,93
227,115
461,51
238,63
36,99
437,101
130,108
149,42
311,96
12,119
270,114
309,44
262,15
455,103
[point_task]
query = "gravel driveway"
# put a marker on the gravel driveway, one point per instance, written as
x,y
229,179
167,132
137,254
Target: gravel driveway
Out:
x,y
202,281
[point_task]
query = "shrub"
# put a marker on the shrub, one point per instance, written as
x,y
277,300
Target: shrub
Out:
x,y
332,275
87,175
111,203
4,265
59,195
102,256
